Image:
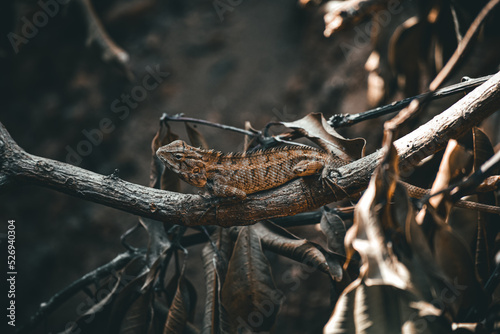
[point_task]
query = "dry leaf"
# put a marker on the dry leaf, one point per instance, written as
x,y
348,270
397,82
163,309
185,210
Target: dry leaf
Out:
x,y
334,229
182,306
450,252
315,127
282,242
249,290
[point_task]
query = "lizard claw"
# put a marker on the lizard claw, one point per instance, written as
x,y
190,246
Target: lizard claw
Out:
x,y
205,195
331,174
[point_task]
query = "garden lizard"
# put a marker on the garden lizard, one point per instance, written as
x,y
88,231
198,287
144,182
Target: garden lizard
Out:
x,y
239,174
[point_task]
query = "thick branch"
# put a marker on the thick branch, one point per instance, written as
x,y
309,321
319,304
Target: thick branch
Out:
x,y
297,196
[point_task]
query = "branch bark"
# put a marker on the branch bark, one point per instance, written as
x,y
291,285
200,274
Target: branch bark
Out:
x,y
300,195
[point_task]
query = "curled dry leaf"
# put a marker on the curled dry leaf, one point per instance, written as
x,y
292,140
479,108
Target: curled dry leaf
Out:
x,y
315,127
249,290
188,288
389,274
137,319
405,51
210,315
278,240
334,229
127,292
383,309
158,240
449,251
215,318
374,227
451,167
182,306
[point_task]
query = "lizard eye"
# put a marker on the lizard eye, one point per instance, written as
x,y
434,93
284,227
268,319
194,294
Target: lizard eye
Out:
x,y
178,156
196,170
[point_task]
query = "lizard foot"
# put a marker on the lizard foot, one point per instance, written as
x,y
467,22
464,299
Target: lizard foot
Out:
x,y
331,174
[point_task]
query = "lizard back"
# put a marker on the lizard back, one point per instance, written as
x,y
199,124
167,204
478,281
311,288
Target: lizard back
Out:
x,y
260,170
249,172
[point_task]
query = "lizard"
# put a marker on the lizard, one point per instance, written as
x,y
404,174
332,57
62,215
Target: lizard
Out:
x,y
236,175
239,174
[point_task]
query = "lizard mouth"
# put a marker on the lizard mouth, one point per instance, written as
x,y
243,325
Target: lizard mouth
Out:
x,y
160,155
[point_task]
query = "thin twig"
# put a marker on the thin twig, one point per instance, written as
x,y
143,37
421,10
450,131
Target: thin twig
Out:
x,y
180,118
464,45
96,32
343,120
65,294
451,65
474,180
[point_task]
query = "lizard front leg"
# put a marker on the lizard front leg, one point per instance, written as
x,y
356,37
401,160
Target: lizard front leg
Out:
x,y
220,188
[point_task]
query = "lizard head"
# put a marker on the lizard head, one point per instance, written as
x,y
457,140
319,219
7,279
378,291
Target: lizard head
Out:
x,y
184,160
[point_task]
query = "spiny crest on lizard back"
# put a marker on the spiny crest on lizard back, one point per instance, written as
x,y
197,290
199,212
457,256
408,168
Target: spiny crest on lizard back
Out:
x,y
179,150
270,151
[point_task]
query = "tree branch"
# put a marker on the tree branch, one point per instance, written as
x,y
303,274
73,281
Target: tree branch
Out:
x,y
300,195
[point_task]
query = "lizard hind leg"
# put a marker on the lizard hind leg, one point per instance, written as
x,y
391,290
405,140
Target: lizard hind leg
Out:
x,y
305,168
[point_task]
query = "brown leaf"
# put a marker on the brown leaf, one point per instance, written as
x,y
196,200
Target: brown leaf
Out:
x,y
375,227
158,240
182,306
390,275
405,51
487,227
195,137
126,294
278,240
315,127
215,319
364,308
249,291
172,288
334,229
450,252
138,316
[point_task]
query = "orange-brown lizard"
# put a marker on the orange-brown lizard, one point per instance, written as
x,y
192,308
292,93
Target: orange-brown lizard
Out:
x,y
239,174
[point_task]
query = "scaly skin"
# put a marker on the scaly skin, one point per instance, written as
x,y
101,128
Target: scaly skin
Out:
x,y
240,174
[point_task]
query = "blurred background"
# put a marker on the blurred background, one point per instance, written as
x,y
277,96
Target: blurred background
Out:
x,y
227,62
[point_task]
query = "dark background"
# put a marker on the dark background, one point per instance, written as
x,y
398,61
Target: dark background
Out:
x,y
266,60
